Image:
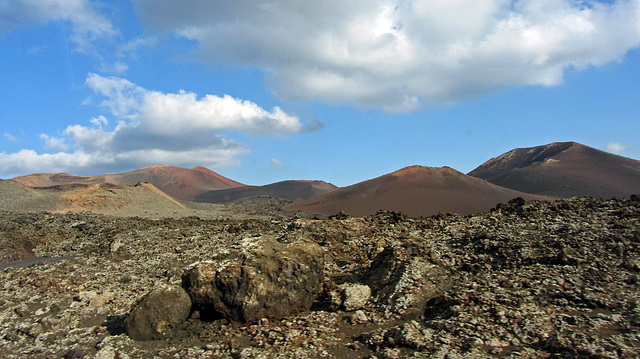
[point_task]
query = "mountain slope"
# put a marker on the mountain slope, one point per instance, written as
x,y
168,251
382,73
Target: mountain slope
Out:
x,y
563,169
103,198
177,182
290,190
415,191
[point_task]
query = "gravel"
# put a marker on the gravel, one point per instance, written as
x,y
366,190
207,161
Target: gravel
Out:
x,y
528,279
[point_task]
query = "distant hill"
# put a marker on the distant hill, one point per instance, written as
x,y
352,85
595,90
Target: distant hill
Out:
x,y
104,198
180,183
415,191
289,190
14,196
563,169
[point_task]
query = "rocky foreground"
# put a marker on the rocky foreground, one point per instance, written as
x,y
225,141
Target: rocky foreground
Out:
x,y
528,279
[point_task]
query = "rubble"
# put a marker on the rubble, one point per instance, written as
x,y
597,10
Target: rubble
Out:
x,y
528,279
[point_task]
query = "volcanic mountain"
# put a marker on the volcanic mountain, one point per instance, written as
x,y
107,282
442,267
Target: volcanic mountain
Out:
x,y
180,183
415,191
563,169
289,190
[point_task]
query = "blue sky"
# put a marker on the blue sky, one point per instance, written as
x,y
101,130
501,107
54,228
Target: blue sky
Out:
x,y
341,91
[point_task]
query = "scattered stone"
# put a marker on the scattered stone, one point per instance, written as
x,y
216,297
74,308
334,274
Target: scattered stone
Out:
x,y
261,279
529,279
105,353
358,317
74,354
355,296
157,313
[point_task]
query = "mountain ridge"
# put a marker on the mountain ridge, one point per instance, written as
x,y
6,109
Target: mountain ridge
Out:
x,y
179,183
417,191
290,190
563,169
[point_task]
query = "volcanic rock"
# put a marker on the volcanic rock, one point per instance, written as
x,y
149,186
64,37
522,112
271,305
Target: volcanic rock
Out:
x,y
403,280
527,280
157,313
355,296
261,279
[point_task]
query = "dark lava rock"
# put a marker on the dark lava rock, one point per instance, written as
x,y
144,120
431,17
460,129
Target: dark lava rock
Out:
x,y
262,279
158,312
403,280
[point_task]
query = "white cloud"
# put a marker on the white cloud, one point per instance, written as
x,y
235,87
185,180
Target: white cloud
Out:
x,y
10,137
53,142
152,128
115,68
616,147
184,112
276,162
132,47
401,54
99,121
88,25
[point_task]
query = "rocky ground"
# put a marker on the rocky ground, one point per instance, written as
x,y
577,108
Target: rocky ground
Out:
x,y
529,279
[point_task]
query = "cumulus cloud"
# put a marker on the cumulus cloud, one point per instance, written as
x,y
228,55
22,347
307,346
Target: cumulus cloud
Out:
x,y
402,54
53,142
88,25
183,112
151,128
276,162
616,147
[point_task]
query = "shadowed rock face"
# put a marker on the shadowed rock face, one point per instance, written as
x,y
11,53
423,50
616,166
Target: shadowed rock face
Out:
x,y
563,169
157,313
401,272
263,279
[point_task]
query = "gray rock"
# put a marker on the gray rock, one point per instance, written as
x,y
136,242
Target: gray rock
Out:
x,y
105,353
355,296
262,279
403,281
158,312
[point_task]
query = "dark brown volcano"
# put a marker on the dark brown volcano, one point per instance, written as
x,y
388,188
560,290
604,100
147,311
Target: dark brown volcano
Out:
x,y
290,190
415,191
180,183
563,169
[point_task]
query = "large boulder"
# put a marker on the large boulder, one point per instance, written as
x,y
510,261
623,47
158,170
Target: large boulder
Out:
x,y
158,312
261,278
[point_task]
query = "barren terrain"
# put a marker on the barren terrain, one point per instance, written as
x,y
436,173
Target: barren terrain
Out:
x,y
415,191
528,279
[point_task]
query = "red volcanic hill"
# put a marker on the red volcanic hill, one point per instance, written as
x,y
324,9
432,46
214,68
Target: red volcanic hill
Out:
x,y
563,169
290,190
415,191
180,183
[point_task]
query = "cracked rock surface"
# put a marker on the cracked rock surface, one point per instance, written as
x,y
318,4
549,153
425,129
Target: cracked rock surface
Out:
x,y
528,279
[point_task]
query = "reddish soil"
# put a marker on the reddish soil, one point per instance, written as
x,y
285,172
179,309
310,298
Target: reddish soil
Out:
x,y
415,191
289,190
180,183
564,169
